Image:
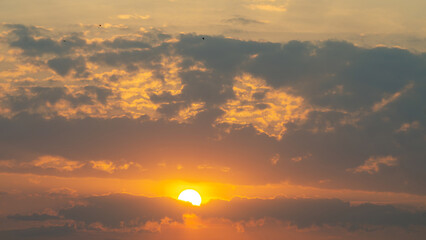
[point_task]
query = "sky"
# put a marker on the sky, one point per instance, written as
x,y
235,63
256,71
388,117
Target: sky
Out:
x,y
297,119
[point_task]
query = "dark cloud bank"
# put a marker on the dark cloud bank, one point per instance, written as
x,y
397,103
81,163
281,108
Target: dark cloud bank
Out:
x,y
113,209
122,211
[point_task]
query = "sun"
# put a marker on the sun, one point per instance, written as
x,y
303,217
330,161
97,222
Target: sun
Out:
x,y
191,196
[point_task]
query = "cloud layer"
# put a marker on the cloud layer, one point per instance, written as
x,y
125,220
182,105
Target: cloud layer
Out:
x,y
123,213
330,113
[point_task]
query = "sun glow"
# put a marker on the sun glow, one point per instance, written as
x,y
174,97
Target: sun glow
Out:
x,y
191,196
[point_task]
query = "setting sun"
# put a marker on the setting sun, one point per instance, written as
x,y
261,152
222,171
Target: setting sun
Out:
x,y
191,196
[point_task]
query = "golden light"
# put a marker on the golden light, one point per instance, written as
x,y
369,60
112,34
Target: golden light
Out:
x,y
190,195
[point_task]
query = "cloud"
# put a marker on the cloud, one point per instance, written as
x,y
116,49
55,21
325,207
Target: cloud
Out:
x,y
102,94
63,66
31,41
243,21
148,58
24,39
121,43
275,159
268,114
106,166
237,102
385,101
7,163
114,211
372,165
355,71
133,16
267,7
405,127
38,232
36,97
306,213
56,100
32,217
55,162
121,210
123,215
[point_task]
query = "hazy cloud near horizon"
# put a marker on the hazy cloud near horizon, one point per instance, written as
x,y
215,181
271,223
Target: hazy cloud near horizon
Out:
x,y
123,213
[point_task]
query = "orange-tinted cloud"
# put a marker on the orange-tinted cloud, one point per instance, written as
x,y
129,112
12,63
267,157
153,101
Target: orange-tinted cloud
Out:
x,y
372,165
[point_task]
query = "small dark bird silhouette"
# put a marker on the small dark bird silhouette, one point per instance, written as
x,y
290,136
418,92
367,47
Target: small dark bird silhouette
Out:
x,y
203,38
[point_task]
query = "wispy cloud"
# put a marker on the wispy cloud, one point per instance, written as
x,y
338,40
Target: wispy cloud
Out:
x,y
243,21
55,162
387,100
268,7
373,164
133,16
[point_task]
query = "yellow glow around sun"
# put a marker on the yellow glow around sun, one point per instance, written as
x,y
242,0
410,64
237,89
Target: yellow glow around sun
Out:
x,y
191,196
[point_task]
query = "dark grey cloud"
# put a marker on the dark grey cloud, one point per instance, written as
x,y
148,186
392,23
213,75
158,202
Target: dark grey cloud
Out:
x,y
144,52
315,212
24,38
102,93
32,206
34,42
91,139
122,43
170,110
244,151
32,217
131,59
163,97
40,96
259,95
212,89
155,36
51,232
115,210
220,54
64,65
117,215
83,136
262,106
318,71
